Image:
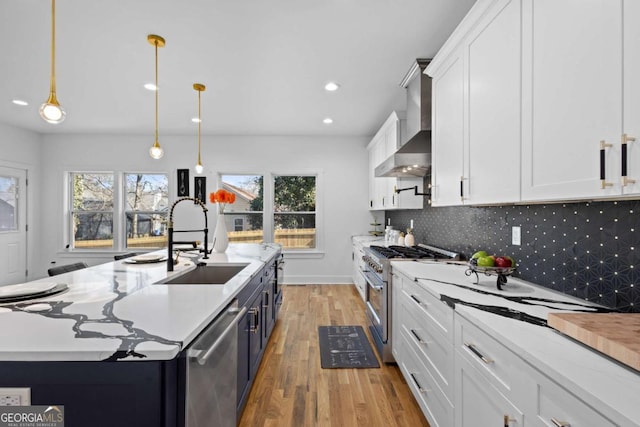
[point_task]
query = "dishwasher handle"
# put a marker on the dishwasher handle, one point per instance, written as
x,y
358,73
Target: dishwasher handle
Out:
x,y
202,358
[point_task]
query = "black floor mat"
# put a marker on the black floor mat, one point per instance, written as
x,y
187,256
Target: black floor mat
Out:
x,y
345,347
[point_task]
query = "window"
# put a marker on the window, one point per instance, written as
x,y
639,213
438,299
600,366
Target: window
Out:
x,y
294,211
245,215
92,210
146,210
117,211
8,203
282,210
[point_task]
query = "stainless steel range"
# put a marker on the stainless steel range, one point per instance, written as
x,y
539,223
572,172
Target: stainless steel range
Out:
x,y
377,273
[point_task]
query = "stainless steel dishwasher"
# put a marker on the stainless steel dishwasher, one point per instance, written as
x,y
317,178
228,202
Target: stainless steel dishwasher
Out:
x,y
210,372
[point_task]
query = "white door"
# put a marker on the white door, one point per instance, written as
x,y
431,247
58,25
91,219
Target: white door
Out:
x,y
13,231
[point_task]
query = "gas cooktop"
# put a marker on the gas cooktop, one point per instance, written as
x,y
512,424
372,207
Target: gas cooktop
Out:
x,y
414,252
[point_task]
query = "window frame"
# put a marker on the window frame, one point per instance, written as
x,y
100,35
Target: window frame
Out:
x,y
268,208
119,210
272,213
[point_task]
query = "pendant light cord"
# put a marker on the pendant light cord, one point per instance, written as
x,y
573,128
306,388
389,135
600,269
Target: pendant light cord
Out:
x,y
157,89
53,47
199,124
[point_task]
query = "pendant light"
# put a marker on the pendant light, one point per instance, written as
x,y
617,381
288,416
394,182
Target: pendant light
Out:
x,y
156,151
200,88
51,111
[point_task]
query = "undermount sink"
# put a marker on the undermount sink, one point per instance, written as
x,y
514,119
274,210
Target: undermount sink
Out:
x,y
206,275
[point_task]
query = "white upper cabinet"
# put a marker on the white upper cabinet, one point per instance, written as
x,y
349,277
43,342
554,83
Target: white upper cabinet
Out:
x,y
538,100
494,103
631,94
382,195
476,112
573,99
447,144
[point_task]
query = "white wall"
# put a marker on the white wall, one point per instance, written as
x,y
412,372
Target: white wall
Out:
x,y
21,149
341,162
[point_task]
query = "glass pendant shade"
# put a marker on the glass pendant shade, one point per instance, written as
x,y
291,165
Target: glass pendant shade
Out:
x,y
156,151
52,112
199,168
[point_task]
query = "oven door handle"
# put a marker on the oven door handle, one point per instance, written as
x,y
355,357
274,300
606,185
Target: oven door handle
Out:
x,y
371,281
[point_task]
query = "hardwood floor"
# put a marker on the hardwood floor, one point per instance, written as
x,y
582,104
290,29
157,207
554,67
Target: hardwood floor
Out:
x,y
291,389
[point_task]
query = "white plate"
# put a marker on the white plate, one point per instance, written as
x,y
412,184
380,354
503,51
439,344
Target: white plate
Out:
x,y
26,289
146,258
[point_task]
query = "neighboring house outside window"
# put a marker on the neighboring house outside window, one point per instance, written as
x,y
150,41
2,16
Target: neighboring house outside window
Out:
x,y
289,200
146,210
245,216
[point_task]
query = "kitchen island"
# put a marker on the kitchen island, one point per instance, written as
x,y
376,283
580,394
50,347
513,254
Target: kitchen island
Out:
x,y
113,341
486,354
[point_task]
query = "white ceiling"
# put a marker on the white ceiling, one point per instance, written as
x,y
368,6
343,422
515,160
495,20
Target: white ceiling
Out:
x,y
264,62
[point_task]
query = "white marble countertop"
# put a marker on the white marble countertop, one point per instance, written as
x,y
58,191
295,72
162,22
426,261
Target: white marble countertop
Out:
x,y
611,388
115,311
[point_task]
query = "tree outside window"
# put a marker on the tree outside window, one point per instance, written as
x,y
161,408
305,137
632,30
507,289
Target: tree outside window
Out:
x,y
92,210
294,211
146,210
142,216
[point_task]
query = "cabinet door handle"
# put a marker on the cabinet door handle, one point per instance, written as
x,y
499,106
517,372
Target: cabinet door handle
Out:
x,y
559,423
415,334
506,420
462,188
475,351
256,320
415,381
626,139
266,298
413,297
603,183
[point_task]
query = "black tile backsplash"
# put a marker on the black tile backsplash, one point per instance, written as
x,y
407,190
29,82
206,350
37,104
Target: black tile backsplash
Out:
x,y
589,250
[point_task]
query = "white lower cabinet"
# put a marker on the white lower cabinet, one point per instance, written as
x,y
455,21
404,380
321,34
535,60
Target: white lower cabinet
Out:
x,y
463,376
422,346
491,382
553,405
358,265
480,403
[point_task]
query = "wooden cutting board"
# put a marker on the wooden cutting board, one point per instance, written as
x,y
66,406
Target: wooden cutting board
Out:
x,y
615,334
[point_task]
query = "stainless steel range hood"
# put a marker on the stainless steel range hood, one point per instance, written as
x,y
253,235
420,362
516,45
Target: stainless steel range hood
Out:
x,y
413,159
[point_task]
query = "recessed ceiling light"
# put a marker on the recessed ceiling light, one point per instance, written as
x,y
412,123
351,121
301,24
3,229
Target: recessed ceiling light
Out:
x,y
150,86
332,86
20,102
327,121
196,120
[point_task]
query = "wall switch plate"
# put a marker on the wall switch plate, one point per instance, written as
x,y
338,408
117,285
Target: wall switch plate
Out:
x,y
515,236
15,396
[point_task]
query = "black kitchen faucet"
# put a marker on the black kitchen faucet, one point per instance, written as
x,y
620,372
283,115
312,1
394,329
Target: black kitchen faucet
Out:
x,y
171,231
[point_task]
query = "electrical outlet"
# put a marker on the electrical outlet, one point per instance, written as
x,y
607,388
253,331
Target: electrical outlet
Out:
x,y
15,396
515,236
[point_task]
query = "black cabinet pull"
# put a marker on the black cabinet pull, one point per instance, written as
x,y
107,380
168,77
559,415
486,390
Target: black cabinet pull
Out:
x,y
603,183
475,351
626,139
415,381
